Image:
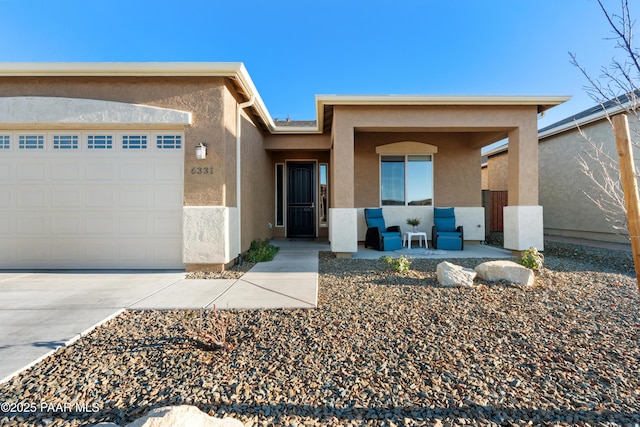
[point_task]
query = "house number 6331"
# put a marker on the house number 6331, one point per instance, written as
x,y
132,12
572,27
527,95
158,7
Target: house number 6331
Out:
x,y
202,171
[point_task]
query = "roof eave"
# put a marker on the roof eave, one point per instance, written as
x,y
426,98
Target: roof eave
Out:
x,y
238,72
611,111
542,102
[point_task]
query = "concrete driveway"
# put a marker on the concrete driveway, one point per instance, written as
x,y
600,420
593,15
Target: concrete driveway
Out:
x,y
40,312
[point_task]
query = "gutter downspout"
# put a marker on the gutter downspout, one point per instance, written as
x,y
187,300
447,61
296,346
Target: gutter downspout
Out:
x,y
241,107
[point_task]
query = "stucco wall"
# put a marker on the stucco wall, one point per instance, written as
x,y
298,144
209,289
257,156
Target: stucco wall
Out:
x,y
567,210
258,202
497,172
202,96
457,178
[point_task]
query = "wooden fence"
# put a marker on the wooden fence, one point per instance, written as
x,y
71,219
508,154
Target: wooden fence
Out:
x,y
498,200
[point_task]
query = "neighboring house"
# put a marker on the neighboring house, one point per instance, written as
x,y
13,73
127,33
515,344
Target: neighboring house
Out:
x,y
563,187
98,165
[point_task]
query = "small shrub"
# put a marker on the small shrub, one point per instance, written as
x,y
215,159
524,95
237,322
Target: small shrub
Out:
x,y
532,259
211,330
261,251
400,265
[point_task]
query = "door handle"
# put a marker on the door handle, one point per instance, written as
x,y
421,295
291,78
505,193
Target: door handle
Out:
x,y
313,205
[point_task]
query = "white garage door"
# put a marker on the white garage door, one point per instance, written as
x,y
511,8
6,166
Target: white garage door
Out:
x,y
91,199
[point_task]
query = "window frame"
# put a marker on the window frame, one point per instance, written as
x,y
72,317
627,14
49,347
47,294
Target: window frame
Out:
x,y
405,156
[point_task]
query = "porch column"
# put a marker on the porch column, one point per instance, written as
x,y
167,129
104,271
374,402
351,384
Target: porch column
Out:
x,y
523,224
343,218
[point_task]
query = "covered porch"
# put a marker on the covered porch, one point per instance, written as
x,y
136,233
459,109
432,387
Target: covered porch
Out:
x,y
445,135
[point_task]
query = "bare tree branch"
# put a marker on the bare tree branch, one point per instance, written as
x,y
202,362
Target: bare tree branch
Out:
x,y
617,86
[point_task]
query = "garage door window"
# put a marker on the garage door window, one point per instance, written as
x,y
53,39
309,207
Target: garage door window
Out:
x,y
134,142
31,142
5,142
99,142
65,142
169,141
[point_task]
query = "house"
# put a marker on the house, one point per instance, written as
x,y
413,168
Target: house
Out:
x,y
564,189
180,165
563,185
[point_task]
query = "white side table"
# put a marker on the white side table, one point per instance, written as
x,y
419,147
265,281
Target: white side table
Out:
x,y
408,235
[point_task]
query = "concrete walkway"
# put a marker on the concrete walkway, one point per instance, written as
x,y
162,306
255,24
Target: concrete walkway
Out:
x,y
41,311
289,281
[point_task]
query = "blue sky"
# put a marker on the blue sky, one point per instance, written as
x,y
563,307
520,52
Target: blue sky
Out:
x,y
296,49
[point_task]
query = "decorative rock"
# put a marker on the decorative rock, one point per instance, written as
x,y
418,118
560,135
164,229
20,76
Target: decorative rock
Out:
x,y
181,416
505,270
454,275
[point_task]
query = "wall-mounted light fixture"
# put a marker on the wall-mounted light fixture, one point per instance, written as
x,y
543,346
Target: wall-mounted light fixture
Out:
x,y
201,151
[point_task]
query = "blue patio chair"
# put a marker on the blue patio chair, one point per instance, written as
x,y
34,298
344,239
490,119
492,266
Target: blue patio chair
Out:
x,y
444,233
379,236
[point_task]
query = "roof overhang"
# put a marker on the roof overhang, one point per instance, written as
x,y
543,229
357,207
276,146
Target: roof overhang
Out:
x,y
583,121
237,73
234,71
324,102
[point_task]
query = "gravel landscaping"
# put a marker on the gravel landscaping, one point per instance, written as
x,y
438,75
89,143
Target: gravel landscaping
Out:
x,y
382,348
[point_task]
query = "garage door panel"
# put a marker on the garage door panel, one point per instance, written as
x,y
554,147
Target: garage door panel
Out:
x,y
7,227
168,171
33,199
66,198
66,252
164,224
168,197
99,197
5,197
31,250
133,254
32,225
135,224
6,172
101,171
101,224
34,170
66,171
70,225
135,198
97,254
135,171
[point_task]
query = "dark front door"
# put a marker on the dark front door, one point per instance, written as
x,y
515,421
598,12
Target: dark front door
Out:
x,y
301,197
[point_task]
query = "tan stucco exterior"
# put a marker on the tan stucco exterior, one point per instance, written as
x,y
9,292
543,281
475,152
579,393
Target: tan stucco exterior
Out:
x,y
564,187
455,182
497,172
349,131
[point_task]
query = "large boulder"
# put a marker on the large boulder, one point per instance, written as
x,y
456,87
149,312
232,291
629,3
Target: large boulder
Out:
x,y
505,270
179,416
454,275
